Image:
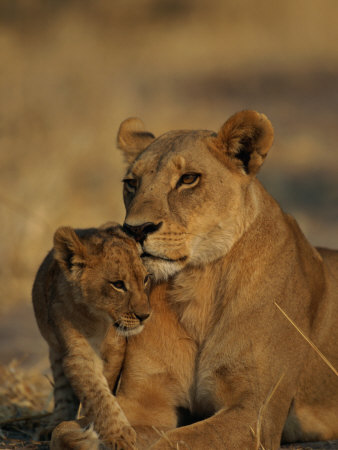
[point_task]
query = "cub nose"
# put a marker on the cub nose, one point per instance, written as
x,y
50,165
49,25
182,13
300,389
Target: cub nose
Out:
x,y
142,317
140,232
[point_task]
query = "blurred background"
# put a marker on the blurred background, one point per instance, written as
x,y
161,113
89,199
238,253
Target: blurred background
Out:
x,y
72,70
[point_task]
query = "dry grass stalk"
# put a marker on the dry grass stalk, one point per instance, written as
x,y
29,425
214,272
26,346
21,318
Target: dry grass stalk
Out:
x,y
257,434
316,349
79,411
163,435
22,394
24,418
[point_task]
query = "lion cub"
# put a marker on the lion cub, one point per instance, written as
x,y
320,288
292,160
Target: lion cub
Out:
x,y
89,293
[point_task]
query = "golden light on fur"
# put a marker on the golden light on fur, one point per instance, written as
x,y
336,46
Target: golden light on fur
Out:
x,y
229,251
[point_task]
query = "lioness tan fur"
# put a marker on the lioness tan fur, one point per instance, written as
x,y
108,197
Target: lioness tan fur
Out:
x,y
216,348
88,295
230,254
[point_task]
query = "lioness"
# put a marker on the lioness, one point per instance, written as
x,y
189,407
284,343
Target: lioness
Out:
x,y
89,293
230,255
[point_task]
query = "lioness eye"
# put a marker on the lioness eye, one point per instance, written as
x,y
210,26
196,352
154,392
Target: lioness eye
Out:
x,y
188,179
130,184
118,285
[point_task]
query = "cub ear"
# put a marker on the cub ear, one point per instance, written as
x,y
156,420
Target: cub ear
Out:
x,y
132,138
69,251
110,228
246,138
109,224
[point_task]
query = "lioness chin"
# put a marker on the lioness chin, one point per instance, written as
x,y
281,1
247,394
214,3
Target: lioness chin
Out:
x,y
230,254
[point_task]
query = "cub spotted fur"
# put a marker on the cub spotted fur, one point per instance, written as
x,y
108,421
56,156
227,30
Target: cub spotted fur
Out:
x,y
89,293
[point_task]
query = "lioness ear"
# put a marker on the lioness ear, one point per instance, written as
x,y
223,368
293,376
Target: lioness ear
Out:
x,y
246,138
69,251
132,138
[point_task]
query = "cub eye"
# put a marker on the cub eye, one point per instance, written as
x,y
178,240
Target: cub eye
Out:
x,y
130,184
188,179
146,280
118,286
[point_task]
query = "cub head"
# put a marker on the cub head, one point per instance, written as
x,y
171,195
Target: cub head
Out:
x,y
106,273
190,195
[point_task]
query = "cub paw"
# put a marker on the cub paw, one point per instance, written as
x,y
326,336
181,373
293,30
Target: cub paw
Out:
x,y
70,436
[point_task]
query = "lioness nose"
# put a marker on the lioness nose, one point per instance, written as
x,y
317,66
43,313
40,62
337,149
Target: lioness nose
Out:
x,y
142,317
140,232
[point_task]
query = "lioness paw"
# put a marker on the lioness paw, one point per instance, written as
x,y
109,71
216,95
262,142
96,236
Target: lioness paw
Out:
x,y
126,440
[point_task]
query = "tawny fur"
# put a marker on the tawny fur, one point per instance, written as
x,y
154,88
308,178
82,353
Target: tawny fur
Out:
x,y
229,253
85,318
216,346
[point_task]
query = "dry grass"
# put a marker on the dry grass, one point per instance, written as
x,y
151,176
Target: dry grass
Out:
x,y
181,445
23,393
262,409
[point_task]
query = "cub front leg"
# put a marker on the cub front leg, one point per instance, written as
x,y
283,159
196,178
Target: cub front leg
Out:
x,y
84,369
66,403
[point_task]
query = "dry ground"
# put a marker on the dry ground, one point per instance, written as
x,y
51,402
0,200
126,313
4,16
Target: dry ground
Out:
x,y
72,70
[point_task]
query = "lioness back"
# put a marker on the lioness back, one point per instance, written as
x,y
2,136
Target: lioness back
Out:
x,y
89,293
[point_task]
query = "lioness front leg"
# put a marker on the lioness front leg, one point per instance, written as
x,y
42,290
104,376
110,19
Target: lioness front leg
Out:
x,y
226,430
253,419
150,415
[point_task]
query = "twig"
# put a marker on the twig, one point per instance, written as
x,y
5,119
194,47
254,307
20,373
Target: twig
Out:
x,y
309,341
257,435
24,418
163,435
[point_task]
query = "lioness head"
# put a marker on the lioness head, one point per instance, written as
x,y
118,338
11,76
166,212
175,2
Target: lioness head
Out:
x,y
188,193
106,273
